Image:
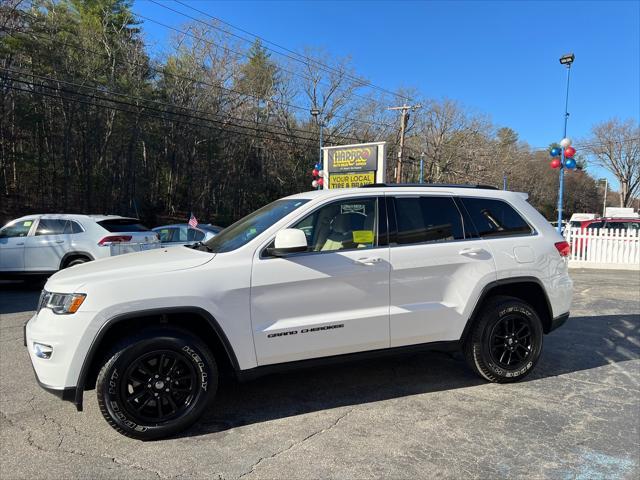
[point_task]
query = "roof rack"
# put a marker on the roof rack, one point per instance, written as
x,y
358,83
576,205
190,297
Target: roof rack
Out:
x,y
439,185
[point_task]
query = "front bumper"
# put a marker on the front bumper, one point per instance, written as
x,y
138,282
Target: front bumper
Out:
x,y
558,321
64,333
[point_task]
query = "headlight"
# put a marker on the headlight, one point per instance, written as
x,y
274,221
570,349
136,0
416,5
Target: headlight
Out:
x,y
61,303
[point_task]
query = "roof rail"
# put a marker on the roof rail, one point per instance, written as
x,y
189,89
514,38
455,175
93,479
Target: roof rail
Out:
x,y
439,185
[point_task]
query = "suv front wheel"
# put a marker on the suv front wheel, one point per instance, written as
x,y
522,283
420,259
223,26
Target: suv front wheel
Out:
x,y
505,342
157,384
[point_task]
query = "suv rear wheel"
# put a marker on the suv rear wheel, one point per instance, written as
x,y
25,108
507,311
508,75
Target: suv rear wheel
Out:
x,y
505,342
157,384
75,261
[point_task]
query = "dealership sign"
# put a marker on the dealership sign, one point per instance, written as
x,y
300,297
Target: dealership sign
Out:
x,y
352,166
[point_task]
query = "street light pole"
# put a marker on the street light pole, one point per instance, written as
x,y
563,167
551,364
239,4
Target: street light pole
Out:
x,y
564,60
604,202
422,167
317,114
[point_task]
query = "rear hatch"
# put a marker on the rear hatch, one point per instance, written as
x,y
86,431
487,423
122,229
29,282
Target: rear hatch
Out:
x,y
126,235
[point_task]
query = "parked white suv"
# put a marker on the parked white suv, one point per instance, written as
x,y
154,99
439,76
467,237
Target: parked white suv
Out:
x,y
38,245
308,278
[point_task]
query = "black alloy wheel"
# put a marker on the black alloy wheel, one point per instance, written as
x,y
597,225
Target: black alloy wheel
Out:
x,y
157,383
511,341
505,341
159,386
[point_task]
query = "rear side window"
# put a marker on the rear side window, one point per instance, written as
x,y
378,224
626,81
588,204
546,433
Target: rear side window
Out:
x,y
495,218
51,227
122,225
195,235
72,227
427,220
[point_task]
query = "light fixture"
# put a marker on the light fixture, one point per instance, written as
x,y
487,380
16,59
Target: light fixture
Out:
x,y
567,59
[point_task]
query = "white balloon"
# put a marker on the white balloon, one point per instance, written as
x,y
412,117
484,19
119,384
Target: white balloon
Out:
x,y
314,184
565,142
321,173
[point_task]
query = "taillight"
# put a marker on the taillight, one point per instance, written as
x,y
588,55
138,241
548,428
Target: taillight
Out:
x,y
114,239
564,248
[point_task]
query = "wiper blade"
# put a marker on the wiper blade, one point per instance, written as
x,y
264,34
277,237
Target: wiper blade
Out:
x,y
200,246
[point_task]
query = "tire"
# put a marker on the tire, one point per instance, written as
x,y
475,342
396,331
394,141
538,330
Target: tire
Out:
x,y
505,341
134,394
76,261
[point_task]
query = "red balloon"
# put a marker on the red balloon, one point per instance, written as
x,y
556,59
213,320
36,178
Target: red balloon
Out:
x,y
569,152
555,163
314,172
320,181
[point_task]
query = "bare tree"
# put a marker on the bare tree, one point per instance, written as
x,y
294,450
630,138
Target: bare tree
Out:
x,y
615,145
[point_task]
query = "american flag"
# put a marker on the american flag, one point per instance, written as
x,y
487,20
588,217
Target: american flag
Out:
x,y
193,221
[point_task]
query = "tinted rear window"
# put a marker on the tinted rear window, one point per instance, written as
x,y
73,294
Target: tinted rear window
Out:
x,y
427,219
495,217
122,225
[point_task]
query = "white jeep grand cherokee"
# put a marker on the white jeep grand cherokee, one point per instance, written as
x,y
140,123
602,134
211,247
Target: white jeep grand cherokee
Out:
x,y
310,278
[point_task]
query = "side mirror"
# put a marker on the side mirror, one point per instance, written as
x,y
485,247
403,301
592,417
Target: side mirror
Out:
x,y
289,240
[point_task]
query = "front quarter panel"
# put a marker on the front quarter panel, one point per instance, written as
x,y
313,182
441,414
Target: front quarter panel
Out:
x,y
220,287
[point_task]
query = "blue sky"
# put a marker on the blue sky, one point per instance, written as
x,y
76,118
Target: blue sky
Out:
x,y
497,58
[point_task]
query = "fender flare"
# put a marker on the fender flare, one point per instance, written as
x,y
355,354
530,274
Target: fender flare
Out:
x,y
486,290
106,326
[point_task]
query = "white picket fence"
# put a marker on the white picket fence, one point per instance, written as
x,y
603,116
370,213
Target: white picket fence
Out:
x,y
604,248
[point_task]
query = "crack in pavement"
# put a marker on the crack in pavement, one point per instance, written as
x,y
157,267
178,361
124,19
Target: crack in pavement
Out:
x,y
32,443
295,444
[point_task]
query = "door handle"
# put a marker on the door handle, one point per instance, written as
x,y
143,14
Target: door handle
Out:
x,y
368,261
20,244
59,241
471,251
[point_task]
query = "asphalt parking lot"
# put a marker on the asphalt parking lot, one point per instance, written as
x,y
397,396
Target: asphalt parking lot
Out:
x,y
577,416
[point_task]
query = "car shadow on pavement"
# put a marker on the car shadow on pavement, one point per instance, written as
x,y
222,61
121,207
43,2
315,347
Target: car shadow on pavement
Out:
x,y
583,343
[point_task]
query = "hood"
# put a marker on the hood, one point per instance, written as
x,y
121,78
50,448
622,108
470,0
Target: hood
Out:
x,y
160,260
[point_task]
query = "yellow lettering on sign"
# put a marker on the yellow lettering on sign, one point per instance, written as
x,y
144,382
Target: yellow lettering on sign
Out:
x,y
351,180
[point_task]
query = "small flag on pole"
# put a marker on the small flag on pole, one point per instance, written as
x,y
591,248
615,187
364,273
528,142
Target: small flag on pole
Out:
x,y
193,222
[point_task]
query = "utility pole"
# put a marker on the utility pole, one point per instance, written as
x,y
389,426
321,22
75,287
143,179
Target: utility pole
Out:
x,y
404,120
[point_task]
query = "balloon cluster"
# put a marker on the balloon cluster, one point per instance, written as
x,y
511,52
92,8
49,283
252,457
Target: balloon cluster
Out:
x,y
569,152
318,176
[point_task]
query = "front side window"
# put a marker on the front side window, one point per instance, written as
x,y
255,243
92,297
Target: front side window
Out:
x,y
51,227
495,218
427,220
17,229
246,229
342,225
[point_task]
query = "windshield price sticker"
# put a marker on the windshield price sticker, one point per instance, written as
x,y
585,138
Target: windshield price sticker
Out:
x,y
351,180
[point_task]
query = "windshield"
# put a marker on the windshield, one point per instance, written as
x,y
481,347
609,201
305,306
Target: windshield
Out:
x,y
246,229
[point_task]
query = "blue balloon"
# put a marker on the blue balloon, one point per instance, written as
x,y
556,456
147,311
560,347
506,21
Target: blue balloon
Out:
x,y
570,163
555,152
318,166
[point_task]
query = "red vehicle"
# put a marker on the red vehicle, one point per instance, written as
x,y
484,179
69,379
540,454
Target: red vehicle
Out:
x,y
617,223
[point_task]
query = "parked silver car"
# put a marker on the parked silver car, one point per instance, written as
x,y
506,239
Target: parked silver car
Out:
x,y
184,234
43,244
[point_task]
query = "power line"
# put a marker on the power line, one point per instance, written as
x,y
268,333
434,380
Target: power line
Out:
x,y
102,89
298,56
190,79
75,100
243,54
